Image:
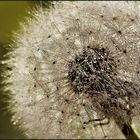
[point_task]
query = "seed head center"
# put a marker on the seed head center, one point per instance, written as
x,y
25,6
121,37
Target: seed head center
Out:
x,y
88,70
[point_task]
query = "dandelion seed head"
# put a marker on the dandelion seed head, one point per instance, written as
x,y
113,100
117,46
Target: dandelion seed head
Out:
x,y
75,63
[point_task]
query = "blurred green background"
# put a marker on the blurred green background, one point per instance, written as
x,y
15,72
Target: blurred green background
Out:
x,y
11,14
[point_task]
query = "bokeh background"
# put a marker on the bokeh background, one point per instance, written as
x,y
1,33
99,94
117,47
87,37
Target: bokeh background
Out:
x,y
11,14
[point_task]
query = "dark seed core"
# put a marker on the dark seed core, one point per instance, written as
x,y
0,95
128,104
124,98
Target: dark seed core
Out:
x,y
88,70
94,72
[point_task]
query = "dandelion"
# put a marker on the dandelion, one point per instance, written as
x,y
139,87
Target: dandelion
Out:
x,y
75,70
